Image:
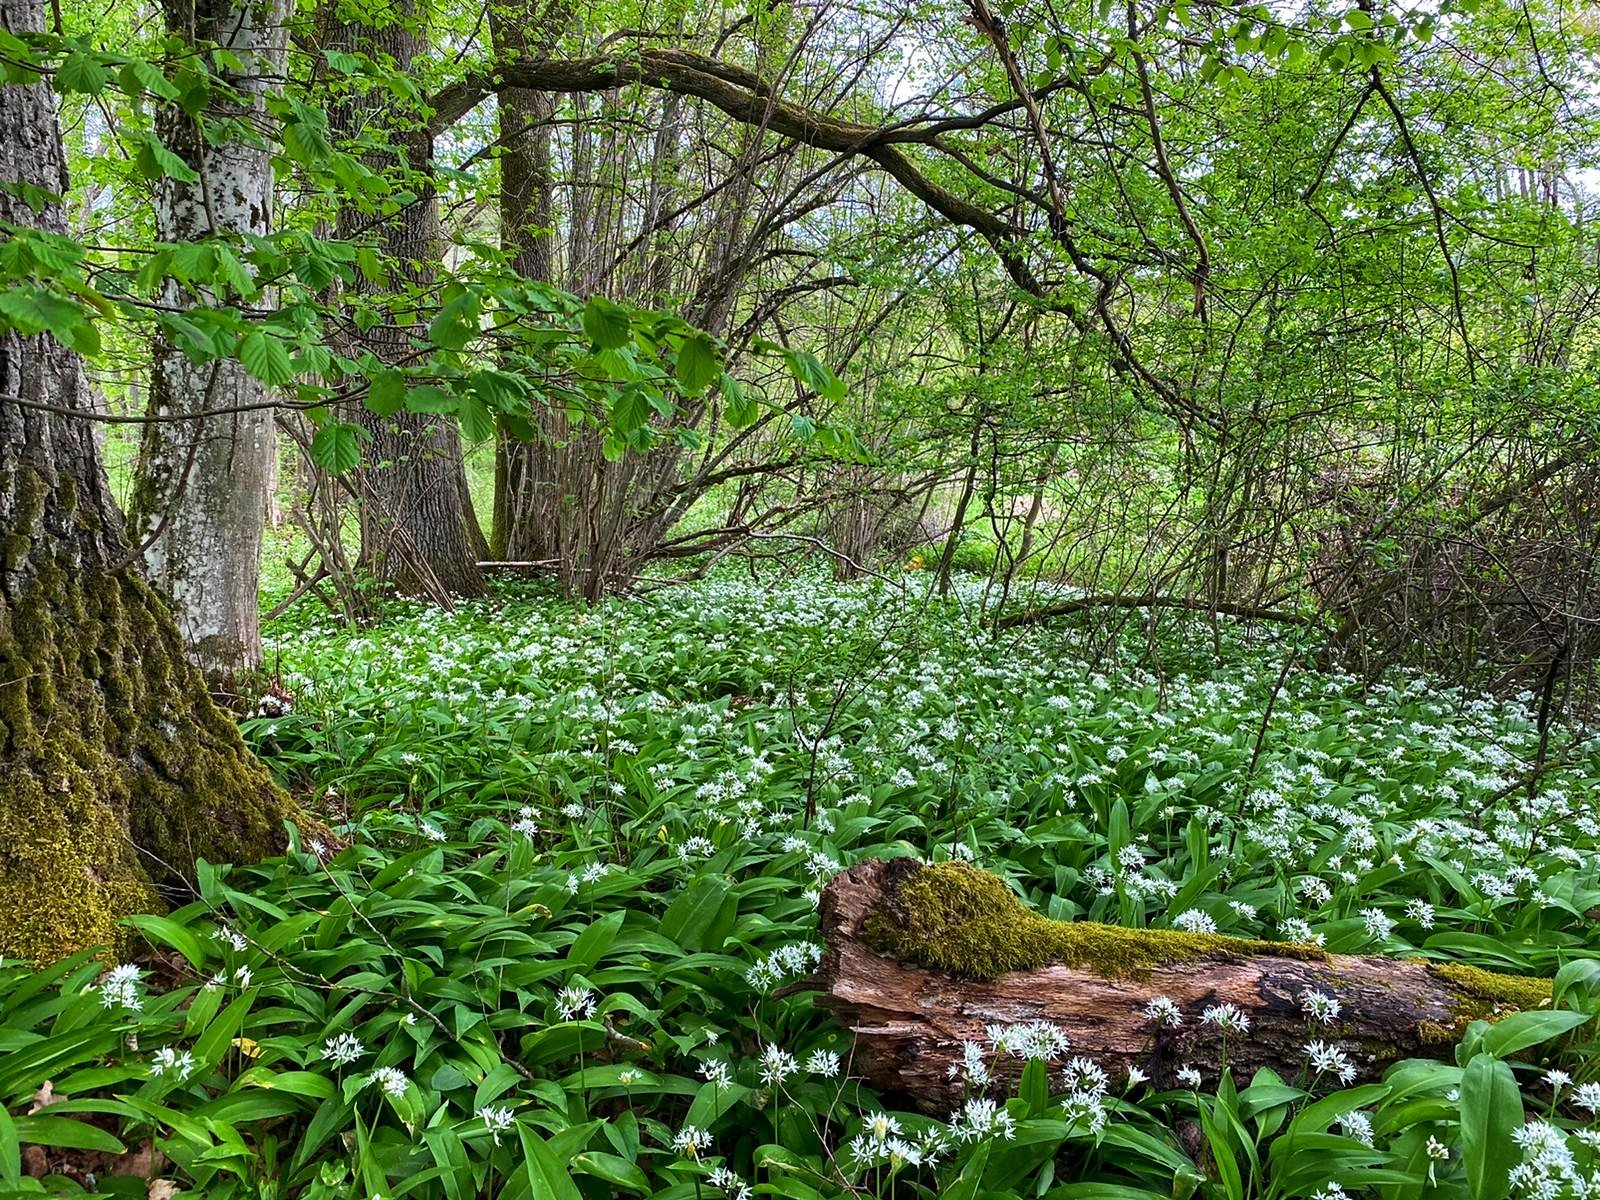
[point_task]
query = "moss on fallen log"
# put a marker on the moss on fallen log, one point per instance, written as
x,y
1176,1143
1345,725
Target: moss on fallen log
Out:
x,y
921,959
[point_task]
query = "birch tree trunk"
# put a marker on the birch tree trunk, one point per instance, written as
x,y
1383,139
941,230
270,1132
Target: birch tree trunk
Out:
x,y
116,769
202,487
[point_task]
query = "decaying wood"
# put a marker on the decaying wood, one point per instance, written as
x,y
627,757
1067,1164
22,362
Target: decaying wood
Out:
x,y
909,1021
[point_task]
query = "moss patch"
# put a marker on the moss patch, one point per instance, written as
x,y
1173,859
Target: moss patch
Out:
x,y
1485,995
966,922
116,769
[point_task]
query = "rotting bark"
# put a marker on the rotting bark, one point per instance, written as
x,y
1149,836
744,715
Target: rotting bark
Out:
x,y
116,769
203,487
920,959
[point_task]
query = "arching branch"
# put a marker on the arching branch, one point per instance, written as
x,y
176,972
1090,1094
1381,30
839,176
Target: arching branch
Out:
x,y
747,97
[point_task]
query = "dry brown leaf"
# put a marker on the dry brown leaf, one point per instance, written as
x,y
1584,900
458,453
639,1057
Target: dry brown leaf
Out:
x,y
34,1164
45,1097
161,1189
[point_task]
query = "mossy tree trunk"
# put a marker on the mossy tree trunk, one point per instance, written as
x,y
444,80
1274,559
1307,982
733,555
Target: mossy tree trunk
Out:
x,y
203,486
920,959
116,770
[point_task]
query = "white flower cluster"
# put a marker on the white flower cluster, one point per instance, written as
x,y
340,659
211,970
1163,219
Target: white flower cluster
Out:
x,y
797,958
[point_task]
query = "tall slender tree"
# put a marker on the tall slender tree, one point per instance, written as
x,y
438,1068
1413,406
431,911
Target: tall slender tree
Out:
x,y
202,487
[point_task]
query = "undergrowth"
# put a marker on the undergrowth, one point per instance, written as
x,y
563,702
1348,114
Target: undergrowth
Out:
x,y
564,951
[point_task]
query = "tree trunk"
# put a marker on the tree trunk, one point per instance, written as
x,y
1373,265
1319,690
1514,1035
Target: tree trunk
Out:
x,y
202,487
116,770
418,528
520,530
920,959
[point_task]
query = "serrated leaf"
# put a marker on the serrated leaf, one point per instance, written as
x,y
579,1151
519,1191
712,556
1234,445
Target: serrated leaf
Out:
x,y
456,323
740,410
266,358
609,326
809,370
337,447
81,72
139,76
155,161
630,411
477,422
429,399
698,364
386,393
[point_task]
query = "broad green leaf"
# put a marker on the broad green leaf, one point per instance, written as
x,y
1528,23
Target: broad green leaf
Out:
x,y
740,410
266,358
609,325
477,422
1491,1111
386,393
166,932
65,1133
808,369
1521,1030
337,447
83,73
698,364
155,161
548,1177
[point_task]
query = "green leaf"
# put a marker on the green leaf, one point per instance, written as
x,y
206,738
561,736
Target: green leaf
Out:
x,y
611,1168
808,370
138,76
166,932
155,161
386,393
266,358
429,399
609,326
477,422
1524,1029
457,322
548,1177
965,1184
1491,1111
81,72
10,1152
630,411
698,364
66,1133
337,447
741,411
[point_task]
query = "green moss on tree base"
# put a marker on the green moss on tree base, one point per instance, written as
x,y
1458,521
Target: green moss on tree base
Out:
x,y
966,922
116,769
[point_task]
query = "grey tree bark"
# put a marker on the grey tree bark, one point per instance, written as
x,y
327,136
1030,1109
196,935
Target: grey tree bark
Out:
x,y
527,216
418,529
202,487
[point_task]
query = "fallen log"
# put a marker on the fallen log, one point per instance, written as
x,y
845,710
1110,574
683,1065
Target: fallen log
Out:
x,y
921,959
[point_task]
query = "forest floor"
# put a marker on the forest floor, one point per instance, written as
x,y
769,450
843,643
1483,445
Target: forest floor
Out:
x,y
563,954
